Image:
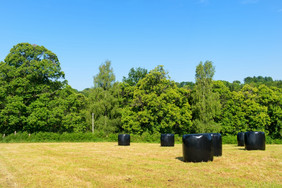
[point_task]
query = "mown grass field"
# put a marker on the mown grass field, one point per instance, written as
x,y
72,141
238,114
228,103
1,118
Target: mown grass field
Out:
x,y
139,165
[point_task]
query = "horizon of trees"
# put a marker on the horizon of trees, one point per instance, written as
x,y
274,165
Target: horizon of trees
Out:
x,y
34,97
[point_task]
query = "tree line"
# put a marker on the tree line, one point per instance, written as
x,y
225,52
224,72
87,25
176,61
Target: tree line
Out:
x,y
35,97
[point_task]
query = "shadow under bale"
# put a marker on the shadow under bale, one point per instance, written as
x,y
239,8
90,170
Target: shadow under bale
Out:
x,y
241,139
197,147
167,140
254,140
123,139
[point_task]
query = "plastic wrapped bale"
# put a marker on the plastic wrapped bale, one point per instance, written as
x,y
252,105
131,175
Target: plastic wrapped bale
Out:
x,y
197,147
254,140
241,138
123,139
167,140
216,144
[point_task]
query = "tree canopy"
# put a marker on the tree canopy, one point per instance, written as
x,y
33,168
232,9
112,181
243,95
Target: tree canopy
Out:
x,y
158,105
31,83
135,75
104,101
35,97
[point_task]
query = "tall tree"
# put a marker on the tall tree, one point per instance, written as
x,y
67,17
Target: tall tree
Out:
x,y
105,78
30,80
104,100
206,103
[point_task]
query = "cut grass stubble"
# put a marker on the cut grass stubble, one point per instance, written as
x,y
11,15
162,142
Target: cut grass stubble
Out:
x,y
138,165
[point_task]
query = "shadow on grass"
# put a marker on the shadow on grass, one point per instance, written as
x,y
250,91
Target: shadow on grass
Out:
x,y
180,158
122,145
241,149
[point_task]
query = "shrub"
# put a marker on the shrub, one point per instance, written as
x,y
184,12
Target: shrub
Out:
x,y
229,139
100,136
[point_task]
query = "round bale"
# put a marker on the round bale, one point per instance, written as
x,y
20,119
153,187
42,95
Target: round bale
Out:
x,y
197,148
241,139
167,140
123,139
254,140
216,144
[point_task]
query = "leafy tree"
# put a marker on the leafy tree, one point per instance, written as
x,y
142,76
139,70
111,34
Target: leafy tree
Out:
x,y
236,85
254,107
30,80
104,100
62,112
222,90
135,75
186,85
105,78
27,72
86,91
127,94
105,106
206,104
242,112
259,79
272,99
158,105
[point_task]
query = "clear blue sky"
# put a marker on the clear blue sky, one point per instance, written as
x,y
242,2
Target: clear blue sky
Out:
x,y
242,37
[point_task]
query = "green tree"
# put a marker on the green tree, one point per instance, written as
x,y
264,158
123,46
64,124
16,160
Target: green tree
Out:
x,y
135,75
104,100
105,78
243,112
236,85
27,72
61,112
206,104
30,80
186,85
157,106
257,81
272,99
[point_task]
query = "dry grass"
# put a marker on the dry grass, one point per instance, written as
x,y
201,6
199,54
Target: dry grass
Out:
x,y
138,165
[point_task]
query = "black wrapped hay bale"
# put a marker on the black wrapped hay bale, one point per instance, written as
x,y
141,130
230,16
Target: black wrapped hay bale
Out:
x,y
254,140
167,140
216,144
241,138
123,139
197,147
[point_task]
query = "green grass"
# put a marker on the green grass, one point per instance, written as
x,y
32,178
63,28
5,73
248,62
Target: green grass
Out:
x,y
105,164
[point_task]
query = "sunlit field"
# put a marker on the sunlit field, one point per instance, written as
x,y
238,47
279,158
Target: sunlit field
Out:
x,y
138,165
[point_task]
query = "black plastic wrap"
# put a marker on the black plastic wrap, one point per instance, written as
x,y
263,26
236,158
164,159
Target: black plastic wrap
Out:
x,y
197,147
167,140
241,138
254,140
216,144
123,139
